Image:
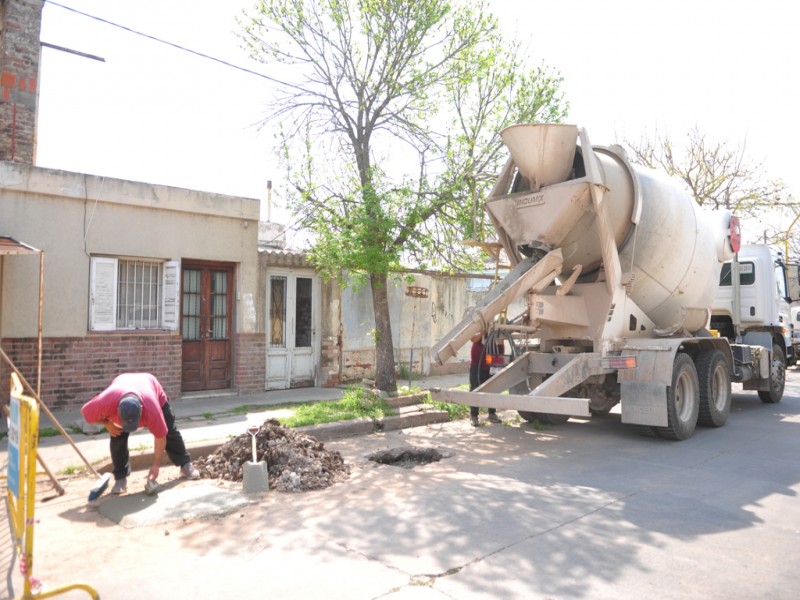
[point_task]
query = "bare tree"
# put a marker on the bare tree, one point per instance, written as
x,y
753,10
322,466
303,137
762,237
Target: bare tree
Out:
x,y
716,174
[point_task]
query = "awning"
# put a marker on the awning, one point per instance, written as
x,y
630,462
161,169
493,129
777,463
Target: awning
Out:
x,y
9,245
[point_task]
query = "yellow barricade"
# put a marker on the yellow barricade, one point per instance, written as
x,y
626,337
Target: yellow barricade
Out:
x,y
23,441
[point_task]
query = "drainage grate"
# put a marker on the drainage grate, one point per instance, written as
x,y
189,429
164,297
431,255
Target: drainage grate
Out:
x,y
406,457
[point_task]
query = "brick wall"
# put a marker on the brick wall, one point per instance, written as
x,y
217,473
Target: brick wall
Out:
x,y
20,24
330,361
251,352
75,369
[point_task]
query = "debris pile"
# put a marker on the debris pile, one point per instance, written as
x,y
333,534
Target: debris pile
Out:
x,y
296,462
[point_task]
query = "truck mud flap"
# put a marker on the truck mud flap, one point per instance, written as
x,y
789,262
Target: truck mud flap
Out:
x,y
644,403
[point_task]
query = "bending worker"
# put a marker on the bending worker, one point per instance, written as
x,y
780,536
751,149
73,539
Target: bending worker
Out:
x,y
133,400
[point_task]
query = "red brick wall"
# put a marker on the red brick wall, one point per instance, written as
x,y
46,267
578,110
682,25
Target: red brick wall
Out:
x,y
251,363
330,362
75,369
20,24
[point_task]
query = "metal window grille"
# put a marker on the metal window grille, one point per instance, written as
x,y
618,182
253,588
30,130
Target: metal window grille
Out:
x,y
139,291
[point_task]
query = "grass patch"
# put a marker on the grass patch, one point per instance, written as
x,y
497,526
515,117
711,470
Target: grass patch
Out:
x,y
402,372
54,431
72,470
454,411
356,403
209,416
404,390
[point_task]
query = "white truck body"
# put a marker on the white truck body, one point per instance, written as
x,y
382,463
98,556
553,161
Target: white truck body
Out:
x,y
762,298
619,267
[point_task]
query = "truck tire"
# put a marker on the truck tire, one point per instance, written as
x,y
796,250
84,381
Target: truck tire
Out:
x,y
683,400
714,376
777,377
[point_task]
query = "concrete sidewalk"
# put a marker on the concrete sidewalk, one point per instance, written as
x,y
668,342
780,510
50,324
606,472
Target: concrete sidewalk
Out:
x,y
205,422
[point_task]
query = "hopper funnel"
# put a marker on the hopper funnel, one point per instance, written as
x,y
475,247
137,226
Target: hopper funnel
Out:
x,y
543,152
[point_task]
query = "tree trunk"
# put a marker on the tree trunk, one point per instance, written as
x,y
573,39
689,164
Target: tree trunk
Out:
x,y
384,345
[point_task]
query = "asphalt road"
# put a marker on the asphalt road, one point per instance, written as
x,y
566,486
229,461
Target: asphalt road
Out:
x,y
588,510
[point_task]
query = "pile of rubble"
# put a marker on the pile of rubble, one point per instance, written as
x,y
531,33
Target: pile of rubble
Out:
x,y
297,462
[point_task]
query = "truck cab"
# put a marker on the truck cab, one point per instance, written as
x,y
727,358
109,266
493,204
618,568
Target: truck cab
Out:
x,y
763,300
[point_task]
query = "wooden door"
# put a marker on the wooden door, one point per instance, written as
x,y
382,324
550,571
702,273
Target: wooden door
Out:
x,y
206,326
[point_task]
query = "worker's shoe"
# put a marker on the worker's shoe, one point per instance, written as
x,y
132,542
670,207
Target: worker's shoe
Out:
x,y
120,486
474,421
189,472
494,418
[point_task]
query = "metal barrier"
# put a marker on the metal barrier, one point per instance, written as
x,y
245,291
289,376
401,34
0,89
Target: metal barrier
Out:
x,y
23,440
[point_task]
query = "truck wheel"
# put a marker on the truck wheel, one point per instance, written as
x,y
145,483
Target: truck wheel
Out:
x,y
543,418
777,377
683,400
714,377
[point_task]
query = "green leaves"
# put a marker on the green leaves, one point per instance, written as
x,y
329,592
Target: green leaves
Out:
x,y
390,113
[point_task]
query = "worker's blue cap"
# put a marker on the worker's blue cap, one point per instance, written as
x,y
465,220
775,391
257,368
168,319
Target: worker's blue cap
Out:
x,y
130,411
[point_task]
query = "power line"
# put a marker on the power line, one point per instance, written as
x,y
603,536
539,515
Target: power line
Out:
x,y
156,39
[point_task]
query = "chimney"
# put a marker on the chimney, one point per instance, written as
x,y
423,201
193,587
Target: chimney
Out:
x,y
20,25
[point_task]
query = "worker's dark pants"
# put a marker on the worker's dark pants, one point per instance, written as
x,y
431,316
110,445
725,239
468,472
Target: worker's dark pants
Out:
x,y
476,377
176,449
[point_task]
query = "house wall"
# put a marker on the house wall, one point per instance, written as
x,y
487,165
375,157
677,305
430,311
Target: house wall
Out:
x,y
417,324
71,217
347,351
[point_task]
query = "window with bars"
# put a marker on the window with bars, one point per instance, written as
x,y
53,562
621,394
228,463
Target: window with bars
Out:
x,y
133,294
139,295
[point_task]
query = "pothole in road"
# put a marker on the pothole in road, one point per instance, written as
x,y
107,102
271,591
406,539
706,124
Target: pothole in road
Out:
x,y
407,457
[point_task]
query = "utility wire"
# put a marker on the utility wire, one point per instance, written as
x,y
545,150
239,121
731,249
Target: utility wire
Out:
x,y
295,225
155,39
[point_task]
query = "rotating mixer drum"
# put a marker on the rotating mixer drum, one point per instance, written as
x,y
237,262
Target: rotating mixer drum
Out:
x,y
673,249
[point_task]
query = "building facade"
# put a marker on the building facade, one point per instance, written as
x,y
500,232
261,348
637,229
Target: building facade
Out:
x,y
185,284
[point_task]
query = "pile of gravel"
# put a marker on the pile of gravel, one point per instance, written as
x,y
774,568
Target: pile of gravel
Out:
x,y
297,462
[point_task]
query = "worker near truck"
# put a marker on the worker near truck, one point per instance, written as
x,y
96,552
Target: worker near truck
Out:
x,y
136,400
478,373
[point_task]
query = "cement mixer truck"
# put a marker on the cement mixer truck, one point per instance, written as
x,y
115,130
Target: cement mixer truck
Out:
x,y
619,267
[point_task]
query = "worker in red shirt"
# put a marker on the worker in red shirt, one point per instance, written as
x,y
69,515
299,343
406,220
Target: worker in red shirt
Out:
x,y
136,400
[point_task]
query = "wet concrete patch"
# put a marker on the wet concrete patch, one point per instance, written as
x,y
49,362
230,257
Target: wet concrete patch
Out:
x,y
171,504
408,457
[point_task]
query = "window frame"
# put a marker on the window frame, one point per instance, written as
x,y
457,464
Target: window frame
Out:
x,y
104,294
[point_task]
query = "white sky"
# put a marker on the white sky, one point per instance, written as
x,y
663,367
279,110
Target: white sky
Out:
x,y
157,114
